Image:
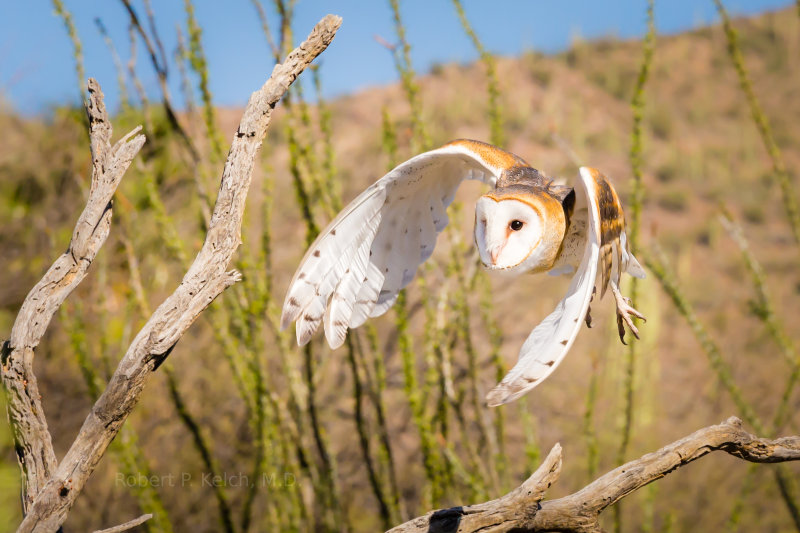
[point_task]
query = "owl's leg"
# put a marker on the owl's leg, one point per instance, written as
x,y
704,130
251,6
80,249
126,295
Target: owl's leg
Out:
x,y
624,313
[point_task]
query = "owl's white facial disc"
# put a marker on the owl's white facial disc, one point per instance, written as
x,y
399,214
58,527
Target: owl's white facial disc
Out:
x,y
506,232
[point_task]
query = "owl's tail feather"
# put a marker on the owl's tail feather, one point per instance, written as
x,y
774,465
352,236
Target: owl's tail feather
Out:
x,y
634,268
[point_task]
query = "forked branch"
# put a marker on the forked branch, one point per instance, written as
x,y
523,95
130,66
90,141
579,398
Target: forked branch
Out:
x,y
524,510
31,437
53,489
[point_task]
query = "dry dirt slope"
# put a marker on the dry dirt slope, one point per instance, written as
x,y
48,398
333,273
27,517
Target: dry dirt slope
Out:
x,y
701,150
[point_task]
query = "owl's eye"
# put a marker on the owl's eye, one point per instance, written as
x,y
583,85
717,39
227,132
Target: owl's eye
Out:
x,y
515,225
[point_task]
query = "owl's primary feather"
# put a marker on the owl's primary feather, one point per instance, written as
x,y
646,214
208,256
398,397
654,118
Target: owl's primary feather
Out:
x,y
373,248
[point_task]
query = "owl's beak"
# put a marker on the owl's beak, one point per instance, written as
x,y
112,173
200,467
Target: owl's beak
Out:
x,y
494,252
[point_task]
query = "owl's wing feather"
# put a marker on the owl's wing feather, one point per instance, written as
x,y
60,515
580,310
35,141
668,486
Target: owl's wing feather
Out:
x,y
550,341
372,249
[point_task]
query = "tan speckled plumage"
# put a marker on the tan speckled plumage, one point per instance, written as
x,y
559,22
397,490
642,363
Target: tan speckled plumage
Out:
x,y
612,229
490,155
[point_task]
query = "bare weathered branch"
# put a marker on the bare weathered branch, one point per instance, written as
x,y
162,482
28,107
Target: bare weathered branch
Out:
x,y
523,510
127,525
206,278
32,439
507,512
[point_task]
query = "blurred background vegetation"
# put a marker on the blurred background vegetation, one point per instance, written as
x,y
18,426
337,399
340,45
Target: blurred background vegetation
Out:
x,y
698,132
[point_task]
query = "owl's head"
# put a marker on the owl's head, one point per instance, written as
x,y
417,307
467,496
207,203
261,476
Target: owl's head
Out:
x,y
517,231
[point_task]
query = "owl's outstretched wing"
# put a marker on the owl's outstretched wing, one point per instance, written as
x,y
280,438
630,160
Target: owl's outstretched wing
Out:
x,y
550,341
372,249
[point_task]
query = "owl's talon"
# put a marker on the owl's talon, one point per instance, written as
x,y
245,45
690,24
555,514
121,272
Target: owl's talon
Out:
x,y
624,313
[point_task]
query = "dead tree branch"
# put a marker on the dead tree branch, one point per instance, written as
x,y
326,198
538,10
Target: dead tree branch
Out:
x,y
503,514
127,525
524,510
31,437
206,279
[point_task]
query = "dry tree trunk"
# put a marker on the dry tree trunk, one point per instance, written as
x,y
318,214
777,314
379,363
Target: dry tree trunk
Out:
x,y
50,488
523,509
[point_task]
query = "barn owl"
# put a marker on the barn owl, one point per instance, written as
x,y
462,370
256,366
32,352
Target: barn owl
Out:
x,y
525,223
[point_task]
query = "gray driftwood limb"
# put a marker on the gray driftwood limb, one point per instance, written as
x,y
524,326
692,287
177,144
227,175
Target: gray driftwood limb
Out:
x,y
31,437
524,510
206,279
503,514
130,524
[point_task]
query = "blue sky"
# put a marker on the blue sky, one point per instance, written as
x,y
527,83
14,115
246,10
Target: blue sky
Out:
x,y
37,68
